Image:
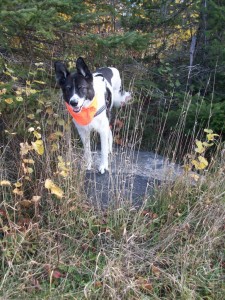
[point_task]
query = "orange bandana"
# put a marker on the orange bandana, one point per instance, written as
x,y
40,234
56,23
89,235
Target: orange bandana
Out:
x,y
86,114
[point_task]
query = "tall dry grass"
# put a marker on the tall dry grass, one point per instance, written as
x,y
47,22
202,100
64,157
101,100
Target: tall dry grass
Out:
x,y
170,247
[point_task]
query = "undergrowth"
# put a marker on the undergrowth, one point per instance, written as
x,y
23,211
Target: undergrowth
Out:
x,y
55,244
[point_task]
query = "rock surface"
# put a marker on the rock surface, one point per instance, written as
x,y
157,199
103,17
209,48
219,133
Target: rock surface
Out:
x,y
132,176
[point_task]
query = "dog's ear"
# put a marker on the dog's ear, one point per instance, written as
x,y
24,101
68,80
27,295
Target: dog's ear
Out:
x,y
61,72
82,69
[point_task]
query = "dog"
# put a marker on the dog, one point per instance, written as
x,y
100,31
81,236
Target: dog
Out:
x,y
89,98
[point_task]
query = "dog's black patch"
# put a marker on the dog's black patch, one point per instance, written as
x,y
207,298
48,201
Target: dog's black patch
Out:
x,y
107,74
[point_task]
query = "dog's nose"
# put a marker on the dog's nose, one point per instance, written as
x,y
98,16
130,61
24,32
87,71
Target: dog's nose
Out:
x,y
73,102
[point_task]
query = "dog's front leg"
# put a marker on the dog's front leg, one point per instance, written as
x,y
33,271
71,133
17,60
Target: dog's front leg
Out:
x,y
110,140
85,138
104,137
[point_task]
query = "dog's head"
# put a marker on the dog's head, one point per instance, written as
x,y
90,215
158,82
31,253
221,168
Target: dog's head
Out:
x,y
77,87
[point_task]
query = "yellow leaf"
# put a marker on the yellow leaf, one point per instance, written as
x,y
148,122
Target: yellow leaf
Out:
x,y
64,173
203,160
207,144
5,183
25,148
194,176
28,161
31,116
201,164
19,99
18,184
9,100
3,91
208,130
200,149
37,134
9,70
30,170
19,91
18,192
210,136
63,167
49,111
54,147
40,82
30,91
38,146
50,185
40,101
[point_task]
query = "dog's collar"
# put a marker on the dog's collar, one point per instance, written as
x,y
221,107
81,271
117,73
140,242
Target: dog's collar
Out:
x,y
86,114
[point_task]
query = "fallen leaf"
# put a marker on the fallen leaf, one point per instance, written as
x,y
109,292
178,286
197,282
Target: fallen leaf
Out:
x,y
50,185
97,284
9,100
49,111
25,203
28,161
31,116
3,91
18,184
31,129
208,130
200,149
19,99
54,147
25,148
40,82
38,146
207,144
5,183
37,134
156,271
18,192
201,164
211,136
36,199
194,176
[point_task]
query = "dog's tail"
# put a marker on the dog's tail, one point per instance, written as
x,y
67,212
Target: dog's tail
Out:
x,y
121,98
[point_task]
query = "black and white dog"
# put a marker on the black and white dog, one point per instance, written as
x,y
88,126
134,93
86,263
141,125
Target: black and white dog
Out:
x,y
89,99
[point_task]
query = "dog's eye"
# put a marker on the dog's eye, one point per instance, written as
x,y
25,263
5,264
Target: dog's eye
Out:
x,y
82,88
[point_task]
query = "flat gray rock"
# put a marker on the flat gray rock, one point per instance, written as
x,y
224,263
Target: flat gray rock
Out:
x,y
132,176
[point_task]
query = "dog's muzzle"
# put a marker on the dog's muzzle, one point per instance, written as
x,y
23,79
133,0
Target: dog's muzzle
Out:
x,y
74,105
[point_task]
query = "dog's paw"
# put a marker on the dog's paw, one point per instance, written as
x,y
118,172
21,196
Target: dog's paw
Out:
x,y
102,168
